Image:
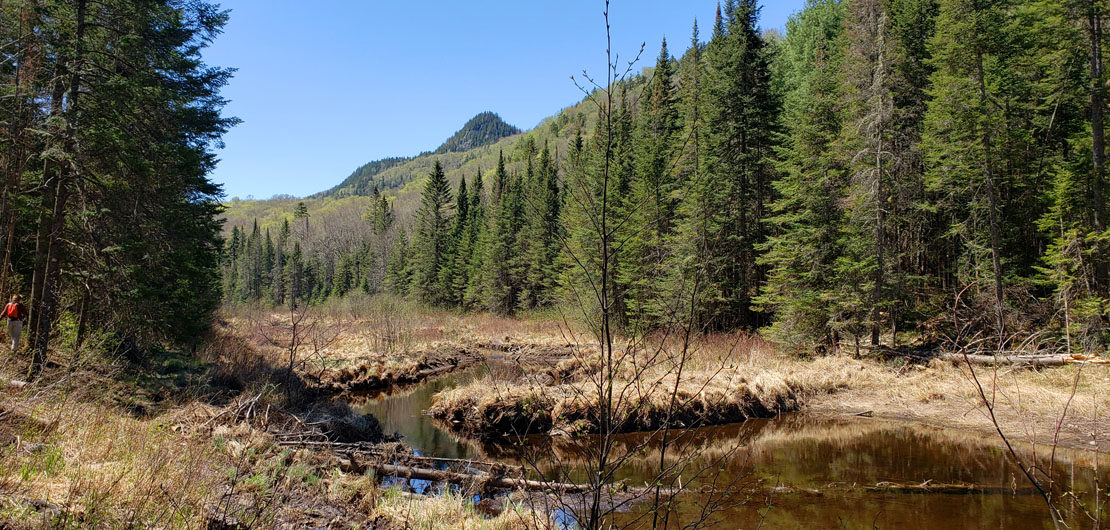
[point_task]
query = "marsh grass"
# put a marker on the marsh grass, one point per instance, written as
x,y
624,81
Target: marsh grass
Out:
x,y
170,443
443,511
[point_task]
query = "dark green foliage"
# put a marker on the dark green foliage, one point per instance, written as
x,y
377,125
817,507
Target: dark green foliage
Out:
x,y
729,201
502,270
483,129
361,181
111,120
802,253
398,276
431,239
652,196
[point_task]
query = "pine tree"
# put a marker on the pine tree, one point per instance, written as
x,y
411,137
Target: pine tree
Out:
x,y
802,253
729,202
430,242
652,202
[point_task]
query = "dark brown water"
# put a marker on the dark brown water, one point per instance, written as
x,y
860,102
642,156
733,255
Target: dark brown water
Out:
x,y
795,471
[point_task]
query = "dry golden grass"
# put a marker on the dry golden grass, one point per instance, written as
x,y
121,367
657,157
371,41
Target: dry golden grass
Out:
x,y
449,510
715,387
371,342
76,451
736,373
102,467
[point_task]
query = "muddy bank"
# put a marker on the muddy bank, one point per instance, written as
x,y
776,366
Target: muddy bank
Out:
x,y
374,374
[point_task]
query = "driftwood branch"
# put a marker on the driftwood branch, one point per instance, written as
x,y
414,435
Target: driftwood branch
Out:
x,y
1017,357
477,477
1035,361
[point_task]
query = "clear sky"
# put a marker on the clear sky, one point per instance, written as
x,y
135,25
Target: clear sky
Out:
x,y
323,87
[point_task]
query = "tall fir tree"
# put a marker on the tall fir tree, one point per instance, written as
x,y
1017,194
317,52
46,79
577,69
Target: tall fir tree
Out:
x,y
432,236
731,199
652,197
801,254
399,272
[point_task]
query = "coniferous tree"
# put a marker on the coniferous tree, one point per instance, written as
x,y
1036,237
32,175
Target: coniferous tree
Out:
x,y
730,201
867,136
808,220
652,196
973,130
381,219
295,271
431,238
452,273
399,272
541,231
477,228
503,270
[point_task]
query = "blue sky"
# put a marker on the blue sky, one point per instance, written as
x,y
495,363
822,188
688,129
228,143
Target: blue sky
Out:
x,y
326,86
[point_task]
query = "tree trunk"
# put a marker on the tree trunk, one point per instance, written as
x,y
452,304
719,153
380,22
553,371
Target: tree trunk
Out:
x,y
877,296
14,163
83,317
1098,108
992,199
52,273
49,248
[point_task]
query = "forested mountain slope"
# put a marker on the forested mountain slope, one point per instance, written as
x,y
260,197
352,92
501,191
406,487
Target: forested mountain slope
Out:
x,y
399,177
482,130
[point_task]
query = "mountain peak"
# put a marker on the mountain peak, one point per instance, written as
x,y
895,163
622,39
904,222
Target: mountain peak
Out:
x,y
483,129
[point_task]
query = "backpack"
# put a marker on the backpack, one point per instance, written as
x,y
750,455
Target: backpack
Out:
x,y
12,311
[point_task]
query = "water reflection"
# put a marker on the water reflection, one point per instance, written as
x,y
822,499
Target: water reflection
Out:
x,y
827,463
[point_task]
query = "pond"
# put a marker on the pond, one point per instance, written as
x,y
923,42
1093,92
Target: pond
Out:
x,y
793,471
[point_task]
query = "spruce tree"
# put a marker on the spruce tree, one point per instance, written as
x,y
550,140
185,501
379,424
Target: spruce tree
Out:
x,y
452,273
652,197
381,219
808,220
432,236
399,272
503,271
980,158
477,228
730,200
867,137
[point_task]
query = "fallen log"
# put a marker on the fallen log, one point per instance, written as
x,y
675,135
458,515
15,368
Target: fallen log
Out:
x,y
947,489
1021,358
371,451
1035,361
892,488
453,477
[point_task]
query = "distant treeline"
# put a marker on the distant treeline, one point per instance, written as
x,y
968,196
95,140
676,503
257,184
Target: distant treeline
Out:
x,y
845,180
109,117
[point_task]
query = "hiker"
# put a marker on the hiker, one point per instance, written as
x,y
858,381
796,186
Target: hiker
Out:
x,y
15,314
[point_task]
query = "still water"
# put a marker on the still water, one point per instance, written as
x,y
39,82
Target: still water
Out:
x,y
794,471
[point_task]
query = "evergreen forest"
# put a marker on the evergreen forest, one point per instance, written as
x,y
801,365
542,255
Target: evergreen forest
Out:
x,y
108,218
842,181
